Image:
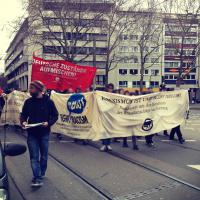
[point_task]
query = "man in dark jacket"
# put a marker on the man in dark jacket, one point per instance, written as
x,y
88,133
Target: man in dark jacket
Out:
x,y
38,109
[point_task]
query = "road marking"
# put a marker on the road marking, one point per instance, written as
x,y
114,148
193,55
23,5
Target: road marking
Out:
x,y
61,141
185,140
188,128
193,124
194,166
66,141
137,140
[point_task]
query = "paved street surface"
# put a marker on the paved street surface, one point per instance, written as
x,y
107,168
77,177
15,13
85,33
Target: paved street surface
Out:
x,y
169,171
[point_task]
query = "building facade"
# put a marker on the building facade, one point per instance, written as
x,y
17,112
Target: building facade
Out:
x,y
161,60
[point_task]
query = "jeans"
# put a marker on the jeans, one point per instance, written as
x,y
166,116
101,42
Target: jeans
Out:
x,y
38,149
149,139
134,141
106,142
176,130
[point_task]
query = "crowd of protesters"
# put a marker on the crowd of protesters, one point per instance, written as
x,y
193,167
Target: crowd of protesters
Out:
x,y
106,143
46,112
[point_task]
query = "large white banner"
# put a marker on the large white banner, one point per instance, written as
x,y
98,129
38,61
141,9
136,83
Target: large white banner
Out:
x,y
76,115
102,115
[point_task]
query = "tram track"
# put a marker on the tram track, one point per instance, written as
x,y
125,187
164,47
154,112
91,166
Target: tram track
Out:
x,y
101,191
16,186
105,195
89,183
147,167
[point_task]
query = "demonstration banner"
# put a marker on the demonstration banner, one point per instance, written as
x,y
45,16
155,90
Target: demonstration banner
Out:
x,y
100,115
103,115
122,116
61,75
13,107
76,115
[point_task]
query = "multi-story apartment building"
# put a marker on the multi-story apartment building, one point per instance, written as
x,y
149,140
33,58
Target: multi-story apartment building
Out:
x,y
17,60
181,48
179,45
34,37
160,66
127,73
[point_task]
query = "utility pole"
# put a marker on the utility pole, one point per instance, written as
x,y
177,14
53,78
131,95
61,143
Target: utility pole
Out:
x,y
94,60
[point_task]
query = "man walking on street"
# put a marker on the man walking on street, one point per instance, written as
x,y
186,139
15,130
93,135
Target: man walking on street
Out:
x,y
38,109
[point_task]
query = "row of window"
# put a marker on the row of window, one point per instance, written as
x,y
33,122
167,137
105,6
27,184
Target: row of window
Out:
x,y
137,83
174,52
153,72
18,46
180,28
126,49
75,50
20,70
127,37
48,21
136,60
178,40
16,60
176,64
175,76
75,36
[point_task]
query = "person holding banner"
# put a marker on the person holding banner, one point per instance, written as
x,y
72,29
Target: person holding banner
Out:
x,y
177,130
134,139
106,142
38,115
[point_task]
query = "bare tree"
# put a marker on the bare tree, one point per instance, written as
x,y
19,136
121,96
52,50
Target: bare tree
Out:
x,y
149,28
182,21
66,27
119,20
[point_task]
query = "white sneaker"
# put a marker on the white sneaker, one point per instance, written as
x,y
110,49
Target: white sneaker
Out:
x,y
103,148
109,148
36,183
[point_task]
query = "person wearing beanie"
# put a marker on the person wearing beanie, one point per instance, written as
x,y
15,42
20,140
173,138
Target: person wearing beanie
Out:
x,y
38,109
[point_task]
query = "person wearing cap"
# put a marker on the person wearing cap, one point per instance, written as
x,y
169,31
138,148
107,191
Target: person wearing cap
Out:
x,y
38,109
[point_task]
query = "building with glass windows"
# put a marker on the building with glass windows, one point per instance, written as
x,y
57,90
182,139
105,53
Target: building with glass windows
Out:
x,y
161,65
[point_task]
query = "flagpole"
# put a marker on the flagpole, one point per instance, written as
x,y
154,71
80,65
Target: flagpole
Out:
x,y
94,61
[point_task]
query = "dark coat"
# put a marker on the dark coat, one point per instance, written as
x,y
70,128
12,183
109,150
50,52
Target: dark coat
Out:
x,y
37,110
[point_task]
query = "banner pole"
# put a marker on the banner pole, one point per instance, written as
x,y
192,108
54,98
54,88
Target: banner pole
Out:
x,y
94,61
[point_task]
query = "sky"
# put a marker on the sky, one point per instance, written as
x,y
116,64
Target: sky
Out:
x,y
10,10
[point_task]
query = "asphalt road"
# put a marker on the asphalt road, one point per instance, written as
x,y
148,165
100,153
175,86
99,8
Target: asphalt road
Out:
x,y
135,176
